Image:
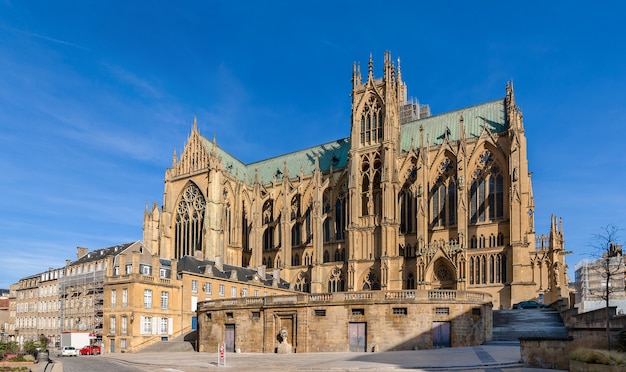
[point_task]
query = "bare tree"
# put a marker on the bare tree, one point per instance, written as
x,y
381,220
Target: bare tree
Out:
x,y
610,269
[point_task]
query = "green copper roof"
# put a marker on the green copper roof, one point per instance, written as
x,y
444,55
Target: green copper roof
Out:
x,y
435,127
335,154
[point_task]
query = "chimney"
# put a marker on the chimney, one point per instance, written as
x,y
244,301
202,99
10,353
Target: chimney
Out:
x,y
276,279
261,271
208,270
219,263
80,252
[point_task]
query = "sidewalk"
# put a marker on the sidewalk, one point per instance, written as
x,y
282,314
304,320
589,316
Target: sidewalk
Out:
x,y
476,358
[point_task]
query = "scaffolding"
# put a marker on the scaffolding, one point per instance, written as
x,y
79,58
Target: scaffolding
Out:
x,y
82,300
412,110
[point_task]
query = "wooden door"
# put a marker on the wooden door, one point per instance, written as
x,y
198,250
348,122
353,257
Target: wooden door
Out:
x,y
229,338
441,334
357,337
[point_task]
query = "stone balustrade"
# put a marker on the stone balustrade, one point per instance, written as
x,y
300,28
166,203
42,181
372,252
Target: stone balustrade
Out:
x,y
403,296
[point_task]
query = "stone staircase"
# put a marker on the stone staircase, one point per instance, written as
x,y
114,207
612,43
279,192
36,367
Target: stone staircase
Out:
x,y
185,342
510,325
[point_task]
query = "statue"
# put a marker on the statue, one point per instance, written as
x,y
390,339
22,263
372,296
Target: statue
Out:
x,y
284,347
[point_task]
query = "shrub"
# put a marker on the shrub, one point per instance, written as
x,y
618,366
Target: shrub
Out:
x,y
595,356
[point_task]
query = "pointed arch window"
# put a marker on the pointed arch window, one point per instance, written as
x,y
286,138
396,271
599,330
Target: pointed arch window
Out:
x,y
336,282
371,122
486,191
410,281
407,202
443,195
296,238
189,222
340,216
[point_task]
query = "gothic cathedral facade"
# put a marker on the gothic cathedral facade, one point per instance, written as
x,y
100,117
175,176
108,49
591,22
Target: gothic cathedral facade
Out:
x,y
407,201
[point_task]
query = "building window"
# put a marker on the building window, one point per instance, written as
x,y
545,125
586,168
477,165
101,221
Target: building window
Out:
x,y
189,221
162,273
233,292
123,343
146,325
222,289
256,293
112,325
208,287
116,270
124,325
320,312
194,286
256,314
399,311
163,326
164,300
371,122
146,270
125,297
358,312
442,310
147,298
244,292
129,268
229,315
113,298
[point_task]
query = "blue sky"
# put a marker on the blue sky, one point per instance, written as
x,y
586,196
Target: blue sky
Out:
x,y
95,96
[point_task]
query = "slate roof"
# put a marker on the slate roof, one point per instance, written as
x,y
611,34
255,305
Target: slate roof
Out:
x,y
335,154
193,265
102,253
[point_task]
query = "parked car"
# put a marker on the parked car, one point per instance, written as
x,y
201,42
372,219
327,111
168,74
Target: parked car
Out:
x,y
69,351
529,305
90,350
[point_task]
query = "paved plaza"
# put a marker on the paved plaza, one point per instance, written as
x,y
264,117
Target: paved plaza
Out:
x,y
489,357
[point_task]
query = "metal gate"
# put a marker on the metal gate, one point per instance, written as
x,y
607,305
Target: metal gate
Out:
x,y
229,338
441,334
357,336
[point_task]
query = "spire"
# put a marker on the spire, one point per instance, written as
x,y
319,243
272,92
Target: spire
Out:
x,y
195,124
399,72
370,74
174,160
214,145
358,72
354,77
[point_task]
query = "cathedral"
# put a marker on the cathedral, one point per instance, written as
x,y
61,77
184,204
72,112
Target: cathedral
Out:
x,y
408,200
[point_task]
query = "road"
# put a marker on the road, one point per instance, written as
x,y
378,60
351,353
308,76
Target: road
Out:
x,y
94,364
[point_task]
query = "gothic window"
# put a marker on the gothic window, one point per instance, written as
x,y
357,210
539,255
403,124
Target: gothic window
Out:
x,y
295,260
406,201
189,222
336,282
340,216
337,255
326,201
483,269
302,283
295,207
492,240
296,239
481,241
486,191
229,225
268,238
268,212
471,270
245,229
503,268
477,271
264,262
371,122
306,259
326,256
307,221
443,195
371,282
492,269
277,261
498,269
473,242
500,239
327,229
365,197
410,281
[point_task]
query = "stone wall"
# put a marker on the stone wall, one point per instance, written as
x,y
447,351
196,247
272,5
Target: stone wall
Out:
x,y
545,353
393,320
